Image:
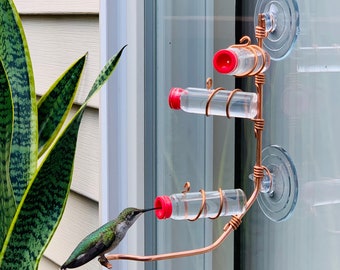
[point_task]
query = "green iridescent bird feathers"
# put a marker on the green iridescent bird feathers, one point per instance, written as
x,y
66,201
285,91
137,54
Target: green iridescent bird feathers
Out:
x,y
104,239
32,196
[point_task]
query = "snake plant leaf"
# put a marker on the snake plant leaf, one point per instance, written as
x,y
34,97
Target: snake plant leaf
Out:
x,y
44,201
43,204
104,74
7,201
17,64
54,106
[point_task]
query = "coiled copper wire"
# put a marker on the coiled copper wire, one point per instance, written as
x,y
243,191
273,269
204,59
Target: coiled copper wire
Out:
x,y
221,205
213,93
203,204
235,222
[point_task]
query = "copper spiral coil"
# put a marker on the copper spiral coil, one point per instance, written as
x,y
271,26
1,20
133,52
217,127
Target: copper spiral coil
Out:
x,y
229,100
263,55
245,42
258,172
221,205
256,61
203,204
213,93
260,32
258,126
260,79
234,223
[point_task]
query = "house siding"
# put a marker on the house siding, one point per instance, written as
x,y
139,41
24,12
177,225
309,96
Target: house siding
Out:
x,y
58,33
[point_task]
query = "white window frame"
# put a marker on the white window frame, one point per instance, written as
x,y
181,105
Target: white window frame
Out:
x,y
122,119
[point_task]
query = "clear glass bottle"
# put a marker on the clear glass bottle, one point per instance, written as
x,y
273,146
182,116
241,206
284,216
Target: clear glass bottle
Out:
x,y
194,100
187,205
240,60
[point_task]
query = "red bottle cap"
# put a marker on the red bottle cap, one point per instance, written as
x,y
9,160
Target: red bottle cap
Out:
x,y
175,98
164,207
225,61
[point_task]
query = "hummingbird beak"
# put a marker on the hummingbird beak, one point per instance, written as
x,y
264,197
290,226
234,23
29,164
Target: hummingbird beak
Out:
x,y
149,209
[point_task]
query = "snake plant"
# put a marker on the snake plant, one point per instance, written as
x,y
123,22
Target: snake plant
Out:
x,y
33,195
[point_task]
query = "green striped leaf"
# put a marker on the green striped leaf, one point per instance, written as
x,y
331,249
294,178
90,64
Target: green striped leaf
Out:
x,y
43,203
7,201
54,106
104,74
17,64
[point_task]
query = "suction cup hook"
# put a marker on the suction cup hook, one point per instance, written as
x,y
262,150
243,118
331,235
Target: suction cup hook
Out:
x,y
282,25
278,196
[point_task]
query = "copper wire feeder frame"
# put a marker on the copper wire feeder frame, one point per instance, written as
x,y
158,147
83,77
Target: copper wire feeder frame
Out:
x,y
259,169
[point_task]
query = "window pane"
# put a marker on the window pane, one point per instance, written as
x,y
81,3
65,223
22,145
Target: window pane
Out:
x,y
187,147
302,115
181,137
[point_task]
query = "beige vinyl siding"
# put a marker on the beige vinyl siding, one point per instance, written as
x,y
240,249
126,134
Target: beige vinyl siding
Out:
x,y
80,218
57,7
59,33
87,163
56,42
47,264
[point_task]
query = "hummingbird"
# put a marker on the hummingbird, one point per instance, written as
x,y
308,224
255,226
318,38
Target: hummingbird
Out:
x,y
104,239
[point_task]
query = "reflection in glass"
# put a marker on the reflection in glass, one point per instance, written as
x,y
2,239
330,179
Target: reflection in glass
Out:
x,y
301,106
318,59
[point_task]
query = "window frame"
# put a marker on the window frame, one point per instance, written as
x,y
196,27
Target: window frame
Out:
x,y
121,119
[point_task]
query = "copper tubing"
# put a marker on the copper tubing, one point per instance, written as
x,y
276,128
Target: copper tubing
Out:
x,y
259,82
173,255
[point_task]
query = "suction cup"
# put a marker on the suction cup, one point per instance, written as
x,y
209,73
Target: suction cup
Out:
x,y
282,23
278,199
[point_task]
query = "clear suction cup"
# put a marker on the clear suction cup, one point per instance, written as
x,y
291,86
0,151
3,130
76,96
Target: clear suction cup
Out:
x,y
278,198
282,24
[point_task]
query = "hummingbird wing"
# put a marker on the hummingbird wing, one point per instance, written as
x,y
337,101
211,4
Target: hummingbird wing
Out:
x,y
80,259
91,246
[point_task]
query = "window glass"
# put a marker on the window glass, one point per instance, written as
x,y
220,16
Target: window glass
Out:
x,y
182,144
181,37
302,115
181,137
